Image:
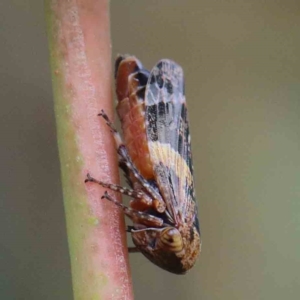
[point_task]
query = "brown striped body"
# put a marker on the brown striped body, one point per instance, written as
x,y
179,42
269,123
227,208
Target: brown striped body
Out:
x,y
156,158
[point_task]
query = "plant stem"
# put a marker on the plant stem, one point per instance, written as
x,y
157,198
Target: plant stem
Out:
x,y
80,55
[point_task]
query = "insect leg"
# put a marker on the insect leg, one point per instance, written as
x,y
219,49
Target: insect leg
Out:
x,y
137,217
130,228
126,172
116,134
159,204
141,200
133,250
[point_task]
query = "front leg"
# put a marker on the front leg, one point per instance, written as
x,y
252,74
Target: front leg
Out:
x,y
141,201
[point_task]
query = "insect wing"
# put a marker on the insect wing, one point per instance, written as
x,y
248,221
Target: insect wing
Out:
x,y
169,139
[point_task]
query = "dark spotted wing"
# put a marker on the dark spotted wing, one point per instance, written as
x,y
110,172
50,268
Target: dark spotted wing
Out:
x,y
169,139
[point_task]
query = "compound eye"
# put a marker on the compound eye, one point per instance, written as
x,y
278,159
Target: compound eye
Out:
x,y
171,240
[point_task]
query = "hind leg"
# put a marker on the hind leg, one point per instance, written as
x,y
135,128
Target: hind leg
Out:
x,y
137,217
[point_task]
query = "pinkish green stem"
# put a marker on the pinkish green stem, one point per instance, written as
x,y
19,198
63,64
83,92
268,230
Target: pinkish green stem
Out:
x,y
80,55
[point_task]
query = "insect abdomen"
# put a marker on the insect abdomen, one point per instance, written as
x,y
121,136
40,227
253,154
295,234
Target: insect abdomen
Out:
x,y
131,112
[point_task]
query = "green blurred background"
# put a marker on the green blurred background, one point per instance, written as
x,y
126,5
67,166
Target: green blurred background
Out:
x,y
241,61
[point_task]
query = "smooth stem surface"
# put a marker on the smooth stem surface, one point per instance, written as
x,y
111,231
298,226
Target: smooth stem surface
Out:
x,y
80,55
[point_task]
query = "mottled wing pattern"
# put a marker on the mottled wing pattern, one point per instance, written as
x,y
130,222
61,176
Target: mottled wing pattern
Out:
x,y
169,139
